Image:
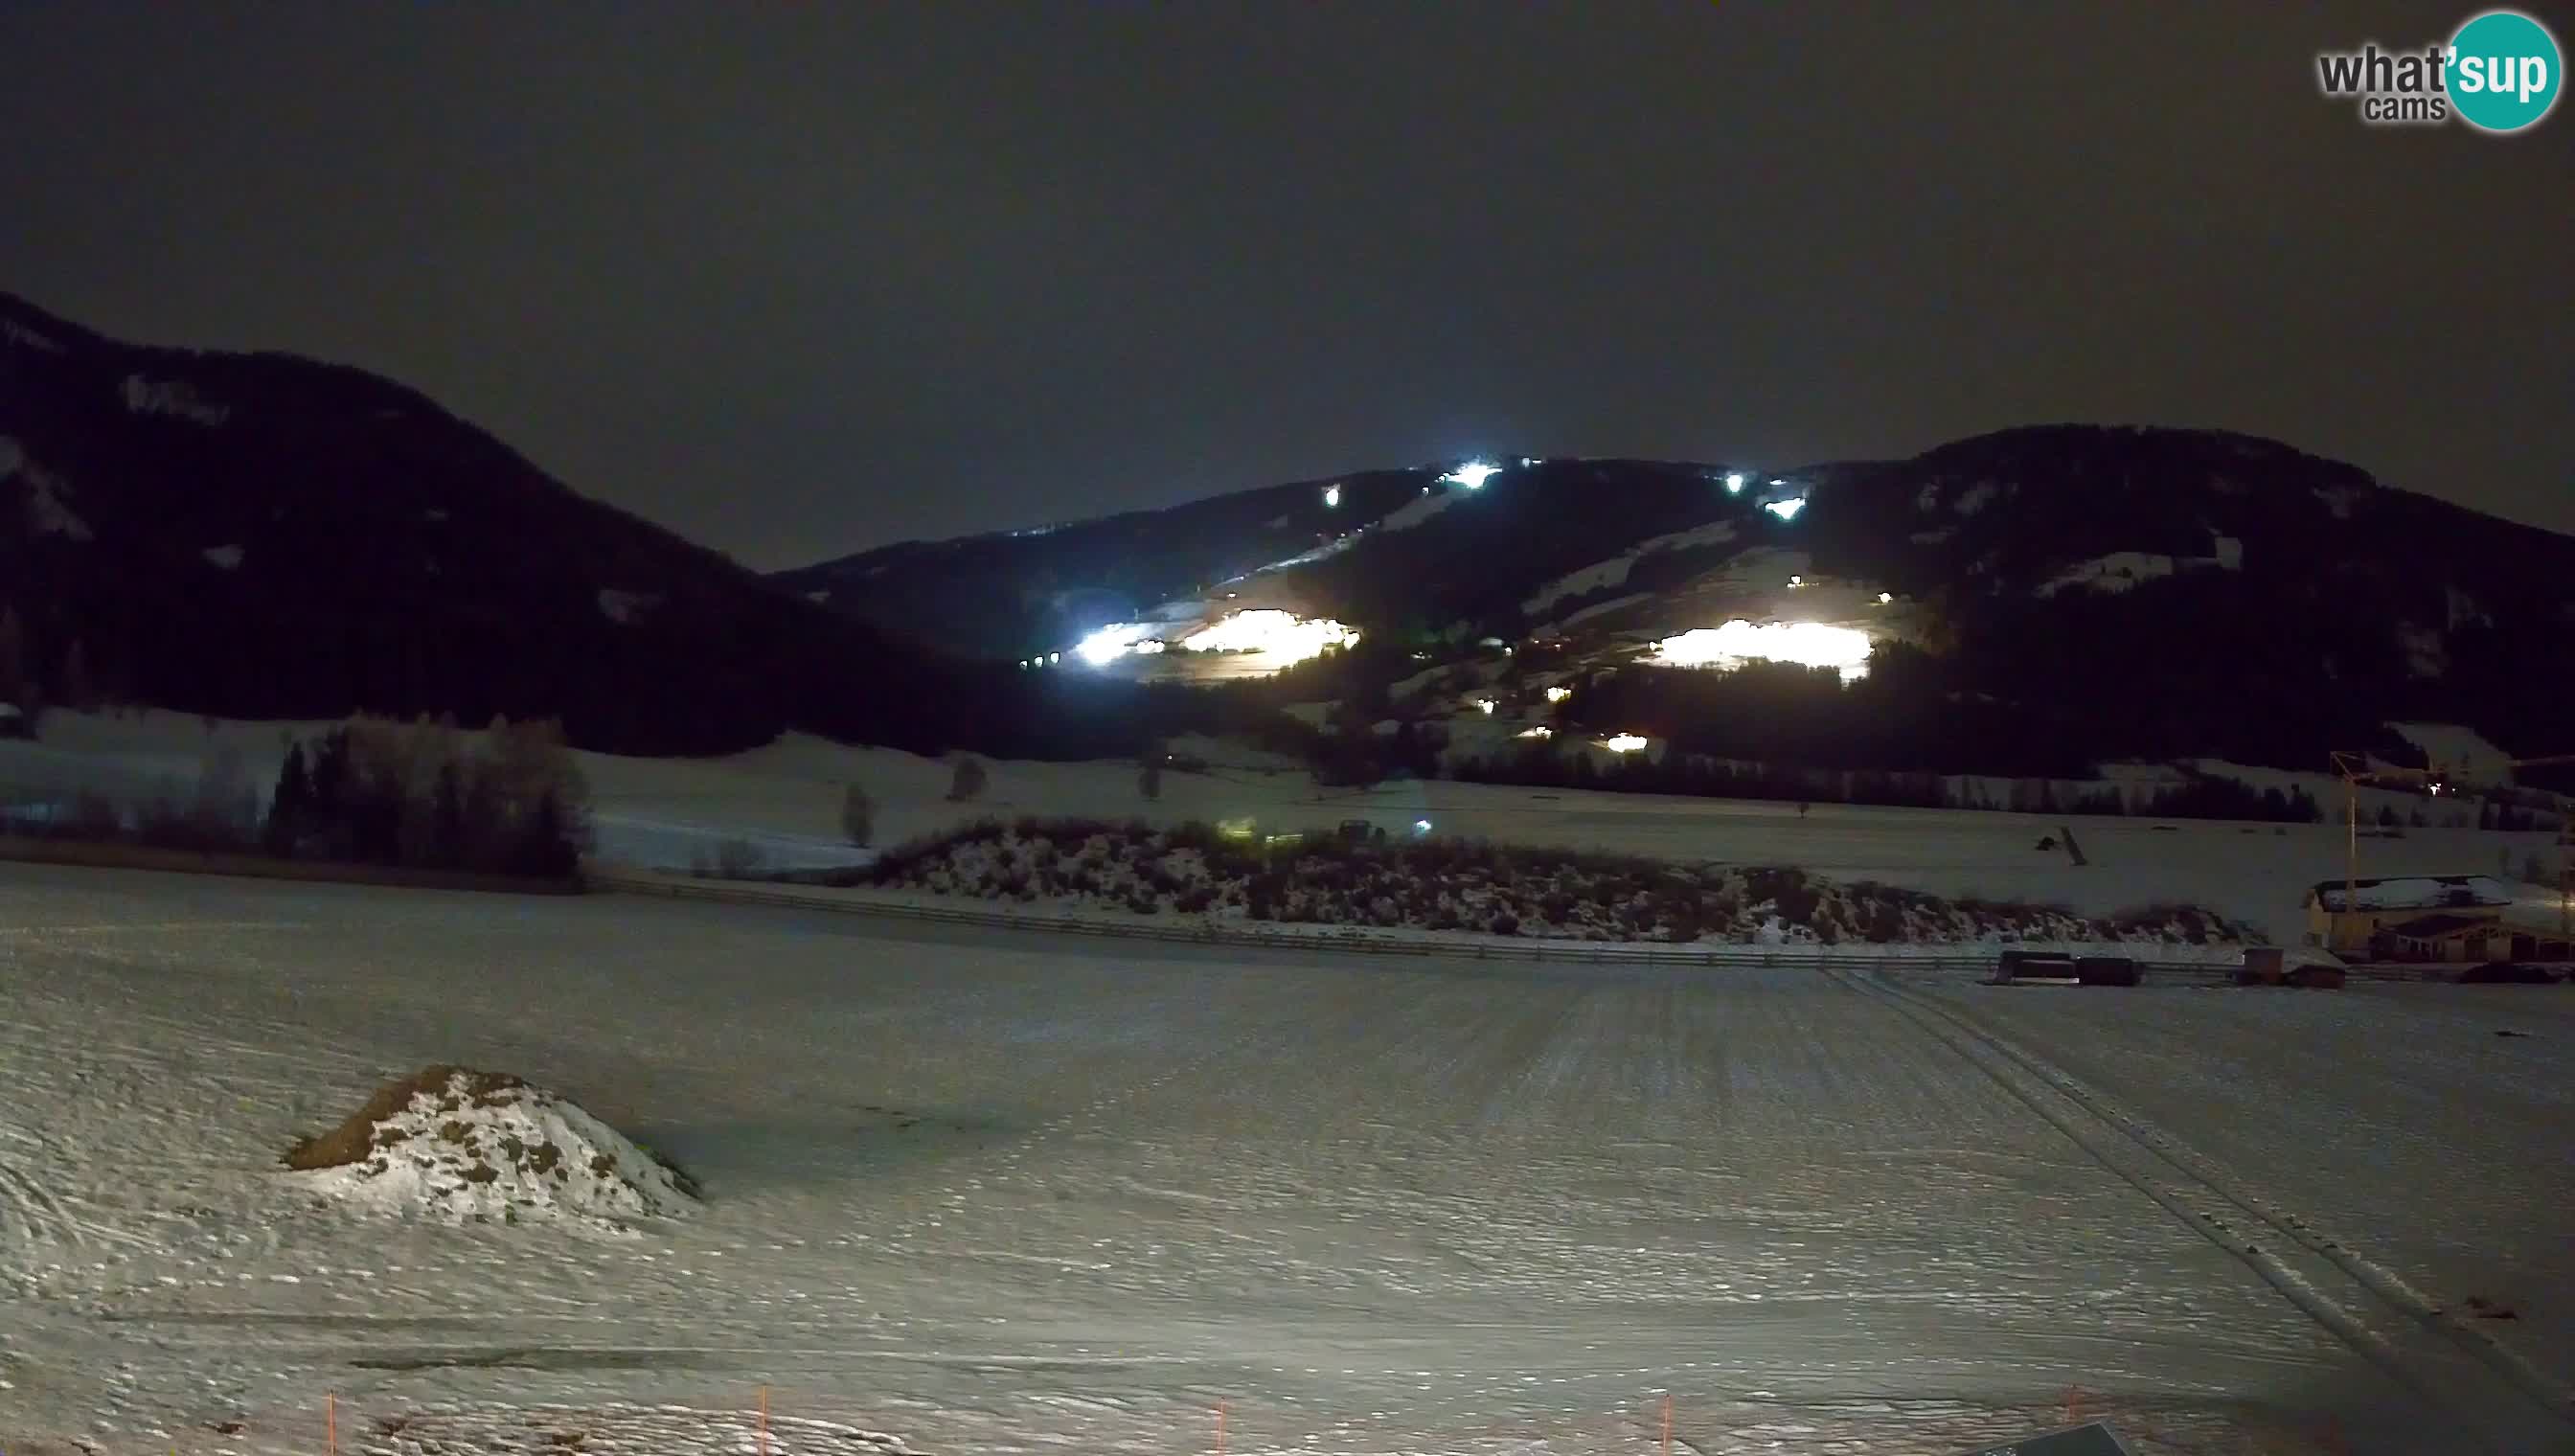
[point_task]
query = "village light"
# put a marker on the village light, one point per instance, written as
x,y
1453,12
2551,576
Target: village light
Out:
x,y
1883,598
1332,497
1484,705
1734,483
1559,695
1623,744
1471,474
1785,510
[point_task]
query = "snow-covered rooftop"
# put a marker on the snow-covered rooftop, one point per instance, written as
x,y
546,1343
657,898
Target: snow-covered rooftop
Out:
x,y
2417,893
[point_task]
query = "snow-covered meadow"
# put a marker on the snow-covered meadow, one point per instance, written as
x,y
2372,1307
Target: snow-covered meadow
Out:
x,y
784,799
969,1191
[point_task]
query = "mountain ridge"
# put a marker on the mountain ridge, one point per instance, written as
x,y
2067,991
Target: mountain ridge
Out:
x,y
2208,563
260,535
265,536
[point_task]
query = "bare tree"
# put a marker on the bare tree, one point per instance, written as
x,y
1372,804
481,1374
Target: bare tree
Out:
x,y
79,695
13,656
858,817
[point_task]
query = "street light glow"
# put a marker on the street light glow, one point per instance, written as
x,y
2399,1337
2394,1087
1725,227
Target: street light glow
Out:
x,y
1471,474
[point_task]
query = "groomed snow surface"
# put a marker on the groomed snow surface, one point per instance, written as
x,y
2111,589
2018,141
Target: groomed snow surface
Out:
x,y
992,1193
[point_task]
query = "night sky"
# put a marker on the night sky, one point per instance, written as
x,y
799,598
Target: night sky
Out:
x,y
800,278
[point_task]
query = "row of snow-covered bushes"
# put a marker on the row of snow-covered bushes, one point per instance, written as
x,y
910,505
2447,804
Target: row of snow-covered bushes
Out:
x,y
1472,885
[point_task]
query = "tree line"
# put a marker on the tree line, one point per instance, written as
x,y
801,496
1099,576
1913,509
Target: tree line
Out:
x,y
510,800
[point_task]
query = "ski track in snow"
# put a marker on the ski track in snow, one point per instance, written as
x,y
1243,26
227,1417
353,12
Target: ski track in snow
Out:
x,y
998,1193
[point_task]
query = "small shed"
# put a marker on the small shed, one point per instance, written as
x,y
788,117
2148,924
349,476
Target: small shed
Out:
x,y
2445,938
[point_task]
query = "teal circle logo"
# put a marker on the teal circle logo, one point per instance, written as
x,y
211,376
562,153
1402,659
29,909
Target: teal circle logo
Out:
x,y
2504,71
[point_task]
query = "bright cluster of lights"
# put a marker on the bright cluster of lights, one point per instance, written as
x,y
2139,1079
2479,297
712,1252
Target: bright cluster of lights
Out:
x,y
1785,510
1540,730
1624,743
1110,642
1332,497
1283,635
1734,483
1484,705
1279,636
1471,474
1559,695
1811,643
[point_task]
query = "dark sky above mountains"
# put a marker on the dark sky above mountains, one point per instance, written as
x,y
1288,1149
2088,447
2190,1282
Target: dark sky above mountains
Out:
x,y
801,279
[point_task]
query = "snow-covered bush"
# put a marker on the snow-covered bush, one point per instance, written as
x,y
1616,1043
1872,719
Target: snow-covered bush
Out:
x,y
1442,884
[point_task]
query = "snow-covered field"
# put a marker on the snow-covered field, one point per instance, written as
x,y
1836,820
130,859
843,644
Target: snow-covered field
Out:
x,y
785,799
993,1192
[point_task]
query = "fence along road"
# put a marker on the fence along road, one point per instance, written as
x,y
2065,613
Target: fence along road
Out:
x,y
1936,958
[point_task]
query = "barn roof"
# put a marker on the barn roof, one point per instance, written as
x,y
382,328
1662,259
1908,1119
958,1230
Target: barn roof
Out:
x,y
2432,927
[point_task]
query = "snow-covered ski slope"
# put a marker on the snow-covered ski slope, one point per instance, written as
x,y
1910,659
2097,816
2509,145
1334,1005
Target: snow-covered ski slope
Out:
x,y
983,1191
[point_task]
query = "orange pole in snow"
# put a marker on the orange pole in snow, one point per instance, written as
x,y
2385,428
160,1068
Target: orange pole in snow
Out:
x,y
1219,1427
764,1421
1667,1423
331,1421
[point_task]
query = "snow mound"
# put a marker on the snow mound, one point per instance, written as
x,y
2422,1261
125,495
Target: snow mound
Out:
x,y
462,1146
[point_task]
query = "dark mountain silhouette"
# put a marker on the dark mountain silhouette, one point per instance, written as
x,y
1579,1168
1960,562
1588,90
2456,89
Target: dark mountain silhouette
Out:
x,y
2090,592
261,536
